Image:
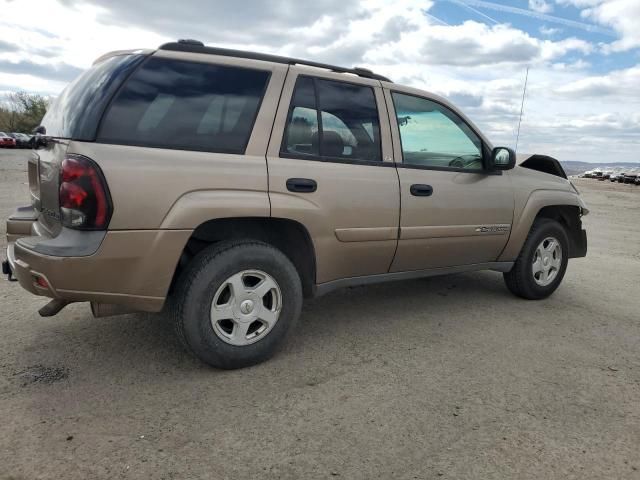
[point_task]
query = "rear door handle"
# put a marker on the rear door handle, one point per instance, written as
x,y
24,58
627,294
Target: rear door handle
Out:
x,y
302,185
420,190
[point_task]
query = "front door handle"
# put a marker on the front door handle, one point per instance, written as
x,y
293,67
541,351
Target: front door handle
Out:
x,y
420,190
302,185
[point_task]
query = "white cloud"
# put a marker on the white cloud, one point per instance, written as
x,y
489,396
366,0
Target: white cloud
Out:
x,y
549,31
540,6
479,67
473,44
552,50
604,137
73,35
580,3
620,83
622,15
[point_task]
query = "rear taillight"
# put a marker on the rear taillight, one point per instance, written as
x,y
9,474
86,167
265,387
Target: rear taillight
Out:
x,y
85,203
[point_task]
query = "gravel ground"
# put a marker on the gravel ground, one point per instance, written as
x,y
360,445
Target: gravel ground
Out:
x,y
448,377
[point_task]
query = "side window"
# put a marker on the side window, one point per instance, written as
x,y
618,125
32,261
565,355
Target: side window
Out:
x,y
434,136
301,135
332,120
186,105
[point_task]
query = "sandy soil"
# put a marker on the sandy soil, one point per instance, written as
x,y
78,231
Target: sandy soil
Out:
x,y
447,377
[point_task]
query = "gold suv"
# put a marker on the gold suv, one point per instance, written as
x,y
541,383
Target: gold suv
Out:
x,y
225,186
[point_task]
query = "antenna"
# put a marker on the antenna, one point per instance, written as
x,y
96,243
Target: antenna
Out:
x,y
524,91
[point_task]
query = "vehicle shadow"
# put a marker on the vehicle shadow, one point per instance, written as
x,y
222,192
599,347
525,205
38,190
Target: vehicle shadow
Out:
x,y
146,343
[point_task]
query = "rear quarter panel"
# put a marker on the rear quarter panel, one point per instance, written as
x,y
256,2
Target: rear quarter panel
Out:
x,y
153,188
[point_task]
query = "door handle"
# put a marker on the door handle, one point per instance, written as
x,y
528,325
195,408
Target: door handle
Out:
x,y
302,185
420,190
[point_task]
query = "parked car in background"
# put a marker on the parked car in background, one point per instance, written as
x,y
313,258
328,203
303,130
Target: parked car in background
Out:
x,y
593,174
27,139
22,139
6,141
630,178
620,177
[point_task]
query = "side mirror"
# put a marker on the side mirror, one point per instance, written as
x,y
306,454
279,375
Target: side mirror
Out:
x,y
502,158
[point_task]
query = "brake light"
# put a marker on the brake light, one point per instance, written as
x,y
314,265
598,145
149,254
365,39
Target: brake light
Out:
x,y
84,197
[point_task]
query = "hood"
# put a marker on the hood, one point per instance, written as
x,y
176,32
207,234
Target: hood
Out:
x,y
541,163
522,157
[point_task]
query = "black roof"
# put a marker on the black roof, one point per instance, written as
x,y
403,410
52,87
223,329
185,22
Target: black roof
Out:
x,y
195,46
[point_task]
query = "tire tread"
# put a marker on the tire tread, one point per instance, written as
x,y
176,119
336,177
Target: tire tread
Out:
x,y
191,274
516,279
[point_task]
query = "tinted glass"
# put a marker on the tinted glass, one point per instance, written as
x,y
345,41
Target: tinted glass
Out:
x,y
432,135
186,105
301,135
349,127
78,109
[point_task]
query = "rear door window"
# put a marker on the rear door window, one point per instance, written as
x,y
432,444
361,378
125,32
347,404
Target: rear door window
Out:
x,y
332,120
186,105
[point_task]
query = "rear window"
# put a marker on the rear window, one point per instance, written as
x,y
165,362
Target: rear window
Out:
x,y
77,110
186,105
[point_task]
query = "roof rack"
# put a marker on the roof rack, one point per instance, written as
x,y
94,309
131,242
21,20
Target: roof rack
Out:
x,y
195,46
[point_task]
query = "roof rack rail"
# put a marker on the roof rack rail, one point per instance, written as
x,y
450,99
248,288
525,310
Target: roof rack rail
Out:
x,y
195,46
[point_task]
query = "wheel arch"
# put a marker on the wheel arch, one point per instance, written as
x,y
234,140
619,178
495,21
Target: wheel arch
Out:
x,y
565,207
569,216
289,236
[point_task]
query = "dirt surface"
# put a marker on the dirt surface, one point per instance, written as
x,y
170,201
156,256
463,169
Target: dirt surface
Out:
x,y
448,377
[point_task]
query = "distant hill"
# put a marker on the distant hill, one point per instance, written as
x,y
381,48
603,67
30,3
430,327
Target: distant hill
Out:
x,y
576,168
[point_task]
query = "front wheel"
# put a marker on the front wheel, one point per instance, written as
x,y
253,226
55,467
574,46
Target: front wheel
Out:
x,y
236,303
542,262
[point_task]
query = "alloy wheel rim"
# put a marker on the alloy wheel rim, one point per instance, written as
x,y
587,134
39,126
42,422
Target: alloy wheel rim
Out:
x,y
246,307
547,261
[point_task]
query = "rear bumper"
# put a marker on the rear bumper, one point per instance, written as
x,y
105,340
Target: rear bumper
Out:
x,y
128,268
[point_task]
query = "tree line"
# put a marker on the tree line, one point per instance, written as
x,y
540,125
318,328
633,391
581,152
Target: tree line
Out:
x,y
22,112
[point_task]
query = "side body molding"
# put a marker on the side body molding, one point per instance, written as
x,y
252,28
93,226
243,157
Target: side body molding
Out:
x,y
526,213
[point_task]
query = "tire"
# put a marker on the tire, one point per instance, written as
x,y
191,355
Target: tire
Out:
x,y
210,276
521,280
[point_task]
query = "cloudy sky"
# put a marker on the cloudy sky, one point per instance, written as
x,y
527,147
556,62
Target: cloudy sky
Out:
x,y
583,97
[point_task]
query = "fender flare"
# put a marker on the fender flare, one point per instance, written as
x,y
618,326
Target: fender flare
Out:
x,y
194,208
538,199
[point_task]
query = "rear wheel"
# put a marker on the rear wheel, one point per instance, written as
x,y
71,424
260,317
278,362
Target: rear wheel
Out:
x,y
236,303
542,262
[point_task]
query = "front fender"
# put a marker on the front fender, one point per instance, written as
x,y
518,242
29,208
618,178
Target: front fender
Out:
x,y
537,200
